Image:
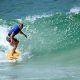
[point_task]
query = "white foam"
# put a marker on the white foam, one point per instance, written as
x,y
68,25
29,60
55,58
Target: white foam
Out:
x,y
34,17
75,10
27,55
4,45
3,34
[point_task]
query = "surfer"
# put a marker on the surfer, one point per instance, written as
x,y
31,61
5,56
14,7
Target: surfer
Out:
x,y
11,36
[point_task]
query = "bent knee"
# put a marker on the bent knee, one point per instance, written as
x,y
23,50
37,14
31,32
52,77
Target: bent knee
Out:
x,y
17,42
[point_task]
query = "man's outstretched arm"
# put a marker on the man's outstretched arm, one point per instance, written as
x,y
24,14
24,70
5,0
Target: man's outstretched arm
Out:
x,y
23,34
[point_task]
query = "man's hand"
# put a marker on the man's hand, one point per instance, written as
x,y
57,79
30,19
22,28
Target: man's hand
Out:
x,y
11,42
25,35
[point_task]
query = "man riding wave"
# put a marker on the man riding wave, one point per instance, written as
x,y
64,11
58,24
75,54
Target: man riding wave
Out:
x,y
11,36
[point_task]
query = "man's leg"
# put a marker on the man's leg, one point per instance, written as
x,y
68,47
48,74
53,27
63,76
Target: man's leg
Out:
x,y
15,46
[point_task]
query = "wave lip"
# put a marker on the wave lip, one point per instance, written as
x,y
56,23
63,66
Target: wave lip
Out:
x,y
33,18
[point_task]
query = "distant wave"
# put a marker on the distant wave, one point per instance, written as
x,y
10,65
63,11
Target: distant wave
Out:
x,y
75,10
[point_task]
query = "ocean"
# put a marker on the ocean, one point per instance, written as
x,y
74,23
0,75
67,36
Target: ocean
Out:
x,y
52,48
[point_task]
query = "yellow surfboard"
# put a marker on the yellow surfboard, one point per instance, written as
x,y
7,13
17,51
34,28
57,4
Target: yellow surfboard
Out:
x,y
16,55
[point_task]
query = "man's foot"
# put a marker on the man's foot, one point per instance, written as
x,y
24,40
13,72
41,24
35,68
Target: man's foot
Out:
x,y
11,56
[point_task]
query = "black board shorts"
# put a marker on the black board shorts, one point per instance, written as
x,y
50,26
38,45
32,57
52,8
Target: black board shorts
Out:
x,y
8,39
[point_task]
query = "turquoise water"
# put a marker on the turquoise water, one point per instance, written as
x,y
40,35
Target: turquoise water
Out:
x,y
52,49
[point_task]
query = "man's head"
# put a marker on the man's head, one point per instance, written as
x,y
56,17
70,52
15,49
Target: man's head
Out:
x,y
21,25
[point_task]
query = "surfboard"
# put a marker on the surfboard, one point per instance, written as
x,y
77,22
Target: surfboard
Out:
x,y
16,55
